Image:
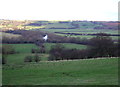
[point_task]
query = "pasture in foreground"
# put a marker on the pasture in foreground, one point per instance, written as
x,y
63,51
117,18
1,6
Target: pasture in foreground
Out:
x,y
76,72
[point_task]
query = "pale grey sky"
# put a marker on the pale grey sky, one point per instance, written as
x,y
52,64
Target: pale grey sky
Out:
x,y
101,10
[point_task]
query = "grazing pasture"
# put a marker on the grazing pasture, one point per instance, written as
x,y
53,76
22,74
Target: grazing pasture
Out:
x,y
76,72
27,64
103,71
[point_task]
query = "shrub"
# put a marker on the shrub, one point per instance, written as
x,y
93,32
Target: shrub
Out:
x,y
28,59
8,49
102,46
36,58
4,60
42,49
56,52
35,50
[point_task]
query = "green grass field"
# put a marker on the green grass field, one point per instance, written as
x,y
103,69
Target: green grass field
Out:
x,y
75,72
85,31
79,72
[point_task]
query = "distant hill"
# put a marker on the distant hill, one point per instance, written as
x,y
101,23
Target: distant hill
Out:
x,y
13,24
76,24
34,24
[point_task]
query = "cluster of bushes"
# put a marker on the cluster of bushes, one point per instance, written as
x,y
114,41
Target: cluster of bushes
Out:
x,y
100,46
35,58
67,54
7,49
38,50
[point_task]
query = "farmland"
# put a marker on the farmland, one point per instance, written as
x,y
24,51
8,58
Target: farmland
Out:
x,y
70,56
77,72
80,72
82,31
77,27
85,31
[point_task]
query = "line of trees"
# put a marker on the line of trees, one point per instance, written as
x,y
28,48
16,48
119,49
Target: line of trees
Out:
x,y
100,46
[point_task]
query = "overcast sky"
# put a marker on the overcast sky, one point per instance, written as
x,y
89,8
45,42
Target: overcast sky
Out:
x,y
99,10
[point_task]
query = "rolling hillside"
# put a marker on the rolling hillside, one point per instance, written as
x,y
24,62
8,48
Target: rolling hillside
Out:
x,y
76,72
75,24
34,24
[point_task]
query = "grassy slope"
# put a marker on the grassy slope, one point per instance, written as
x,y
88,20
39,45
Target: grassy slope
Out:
x,y
79,72
82,72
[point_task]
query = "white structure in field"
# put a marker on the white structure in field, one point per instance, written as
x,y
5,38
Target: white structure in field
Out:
x,y
45,37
